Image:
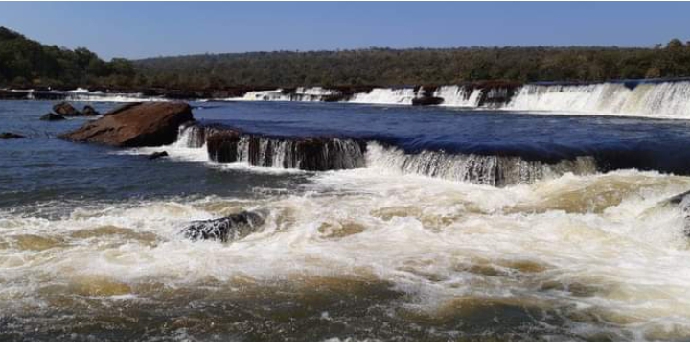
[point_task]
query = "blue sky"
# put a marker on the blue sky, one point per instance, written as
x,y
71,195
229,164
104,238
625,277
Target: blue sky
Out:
x,y
136,30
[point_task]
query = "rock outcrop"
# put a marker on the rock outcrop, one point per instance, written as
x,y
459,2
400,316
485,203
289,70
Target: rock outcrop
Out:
x,y
52,117
65,109
8,135
312,154
137,124
89,111
229,228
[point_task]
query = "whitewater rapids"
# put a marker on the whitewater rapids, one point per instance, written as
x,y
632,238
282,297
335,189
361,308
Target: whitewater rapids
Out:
x,y
570,256
589,255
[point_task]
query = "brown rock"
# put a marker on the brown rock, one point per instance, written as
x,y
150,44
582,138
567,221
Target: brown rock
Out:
x,y
65,109
138,124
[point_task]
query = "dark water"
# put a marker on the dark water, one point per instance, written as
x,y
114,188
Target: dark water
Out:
x,y
45,168
618,142
90,246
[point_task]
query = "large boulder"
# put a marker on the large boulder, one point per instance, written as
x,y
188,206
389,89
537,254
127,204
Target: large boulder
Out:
x,y
65,109
136,124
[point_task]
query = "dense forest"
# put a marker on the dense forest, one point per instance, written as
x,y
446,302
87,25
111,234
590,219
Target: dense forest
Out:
x,y
27,64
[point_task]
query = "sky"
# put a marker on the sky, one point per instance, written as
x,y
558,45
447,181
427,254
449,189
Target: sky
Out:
x,y
150,29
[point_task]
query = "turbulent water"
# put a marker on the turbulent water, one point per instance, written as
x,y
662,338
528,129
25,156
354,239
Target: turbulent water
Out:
x,y
456,225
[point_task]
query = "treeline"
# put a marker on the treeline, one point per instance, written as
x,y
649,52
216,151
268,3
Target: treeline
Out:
x,y
25,63
396,67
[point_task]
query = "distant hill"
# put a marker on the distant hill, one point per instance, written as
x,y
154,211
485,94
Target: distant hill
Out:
x,y
25,63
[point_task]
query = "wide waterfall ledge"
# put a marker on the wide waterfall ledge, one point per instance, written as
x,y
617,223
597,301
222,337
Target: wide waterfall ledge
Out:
x,y
224,144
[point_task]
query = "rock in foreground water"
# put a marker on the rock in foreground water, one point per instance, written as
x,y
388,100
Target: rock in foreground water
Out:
x,y
138,124
89,111
52,117
156,155
65,109
229,228
8,135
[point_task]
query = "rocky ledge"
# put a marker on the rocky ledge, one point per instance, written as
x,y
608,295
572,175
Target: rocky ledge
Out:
x,y
135,124
226,145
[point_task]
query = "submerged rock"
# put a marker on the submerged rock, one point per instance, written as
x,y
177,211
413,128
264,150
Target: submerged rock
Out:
x,y
156,155
229,228
137,124
8,135
52,117
65,109
682,201
89,111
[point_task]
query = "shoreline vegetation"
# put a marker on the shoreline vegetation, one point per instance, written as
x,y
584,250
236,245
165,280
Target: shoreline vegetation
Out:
x,y
26,64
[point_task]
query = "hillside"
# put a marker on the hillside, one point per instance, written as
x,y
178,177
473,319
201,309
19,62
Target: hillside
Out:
x,y
25,63
395,67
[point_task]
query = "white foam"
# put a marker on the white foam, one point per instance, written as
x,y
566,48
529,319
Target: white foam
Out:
x,y
666,99
424,235
385,96
457,96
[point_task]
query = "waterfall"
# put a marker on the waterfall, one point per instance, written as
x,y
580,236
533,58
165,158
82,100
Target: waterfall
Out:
x,y
315,154
302,94
458,96
385,96
665,99
83,95
190,136
480,169
320,154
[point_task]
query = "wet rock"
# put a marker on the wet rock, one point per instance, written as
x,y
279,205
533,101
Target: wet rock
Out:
x,y
138,124
676,200
222,146
313,154
229,228
89,111
427,101
124,107
682,201
156,155
65,109
52,117
8,135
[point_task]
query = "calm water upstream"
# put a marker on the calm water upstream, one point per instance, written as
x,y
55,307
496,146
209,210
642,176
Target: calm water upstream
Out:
x,y
90,243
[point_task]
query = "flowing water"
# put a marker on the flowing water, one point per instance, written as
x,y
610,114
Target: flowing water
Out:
x,y
419,242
